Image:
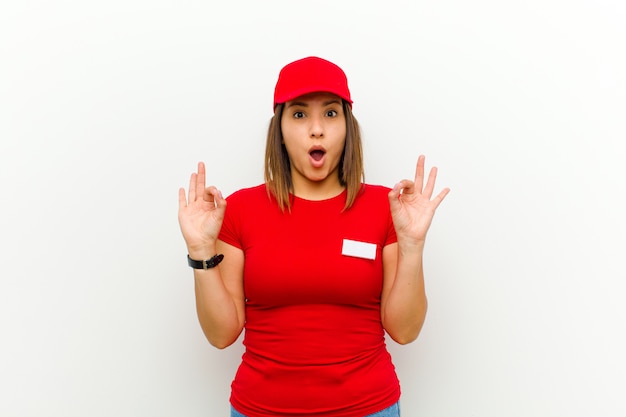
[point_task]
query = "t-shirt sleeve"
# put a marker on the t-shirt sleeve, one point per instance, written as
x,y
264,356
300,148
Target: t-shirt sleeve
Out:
x,y
230,232
391,231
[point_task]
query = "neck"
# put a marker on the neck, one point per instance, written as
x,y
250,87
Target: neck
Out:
x,y
317,190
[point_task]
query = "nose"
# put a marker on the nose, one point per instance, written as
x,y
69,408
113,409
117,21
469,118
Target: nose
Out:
x,y
316,127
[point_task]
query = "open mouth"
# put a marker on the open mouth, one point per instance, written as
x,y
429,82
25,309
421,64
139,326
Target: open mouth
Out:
x,y
317,154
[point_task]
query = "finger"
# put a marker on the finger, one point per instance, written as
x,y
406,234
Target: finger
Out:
x,y
402,187
192,187
220,202
437,200
394,199
430,184
214,196
210,194
405,187
182,199
200,178
419,172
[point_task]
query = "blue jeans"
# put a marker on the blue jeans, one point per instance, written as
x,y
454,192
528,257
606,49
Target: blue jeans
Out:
x,y
393,411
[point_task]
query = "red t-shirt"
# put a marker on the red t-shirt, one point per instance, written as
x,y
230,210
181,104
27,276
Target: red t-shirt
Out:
x,y
313,335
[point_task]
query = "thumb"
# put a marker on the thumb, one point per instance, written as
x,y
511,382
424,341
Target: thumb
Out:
x,y
394,197
214,197
220,203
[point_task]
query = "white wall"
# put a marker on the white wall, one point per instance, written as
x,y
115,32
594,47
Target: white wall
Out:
x,y
106,107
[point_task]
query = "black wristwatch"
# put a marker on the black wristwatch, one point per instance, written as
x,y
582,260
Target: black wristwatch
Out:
x,y
207,263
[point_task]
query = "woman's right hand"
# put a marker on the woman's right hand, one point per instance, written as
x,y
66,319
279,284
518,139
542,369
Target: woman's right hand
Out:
x,y
200,215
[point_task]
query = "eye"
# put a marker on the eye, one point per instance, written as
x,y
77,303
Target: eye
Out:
x,y
298,115
331,113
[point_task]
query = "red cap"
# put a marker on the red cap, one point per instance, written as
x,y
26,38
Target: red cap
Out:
x,y
310,75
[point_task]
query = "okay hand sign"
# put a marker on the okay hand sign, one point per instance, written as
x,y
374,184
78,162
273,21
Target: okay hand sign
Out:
x,y
200,214
412,205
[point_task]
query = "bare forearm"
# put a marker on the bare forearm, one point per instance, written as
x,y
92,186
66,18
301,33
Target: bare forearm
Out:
x,y
405,308
216,307
412,208
219,290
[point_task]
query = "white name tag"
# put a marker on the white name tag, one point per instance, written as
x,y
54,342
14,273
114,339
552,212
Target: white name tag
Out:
x,y
359,249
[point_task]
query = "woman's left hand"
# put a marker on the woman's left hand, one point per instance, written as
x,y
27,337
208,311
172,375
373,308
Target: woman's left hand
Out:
x,y
412,208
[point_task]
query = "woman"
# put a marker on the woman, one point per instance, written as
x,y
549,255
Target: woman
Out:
x,y
313,263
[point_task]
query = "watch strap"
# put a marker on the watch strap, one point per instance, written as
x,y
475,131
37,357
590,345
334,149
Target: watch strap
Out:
x,y
205,264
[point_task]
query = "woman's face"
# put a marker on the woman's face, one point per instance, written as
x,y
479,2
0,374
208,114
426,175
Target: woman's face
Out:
x,y
314,133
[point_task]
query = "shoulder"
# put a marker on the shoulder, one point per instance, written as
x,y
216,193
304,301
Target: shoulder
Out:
x,y
258,197
372,198
247,194
372,192
376,189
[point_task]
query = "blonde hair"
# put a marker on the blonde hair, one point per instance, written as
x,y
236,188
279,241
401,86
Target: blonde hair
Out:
x,y
278,167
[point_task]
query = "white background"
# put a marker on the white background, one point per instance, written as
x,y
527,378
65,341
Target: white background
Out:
x,y
106,107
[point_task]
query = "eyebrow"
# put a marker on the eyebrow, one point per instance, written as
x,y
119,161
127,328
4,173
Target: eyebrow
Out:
x,y
304,104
